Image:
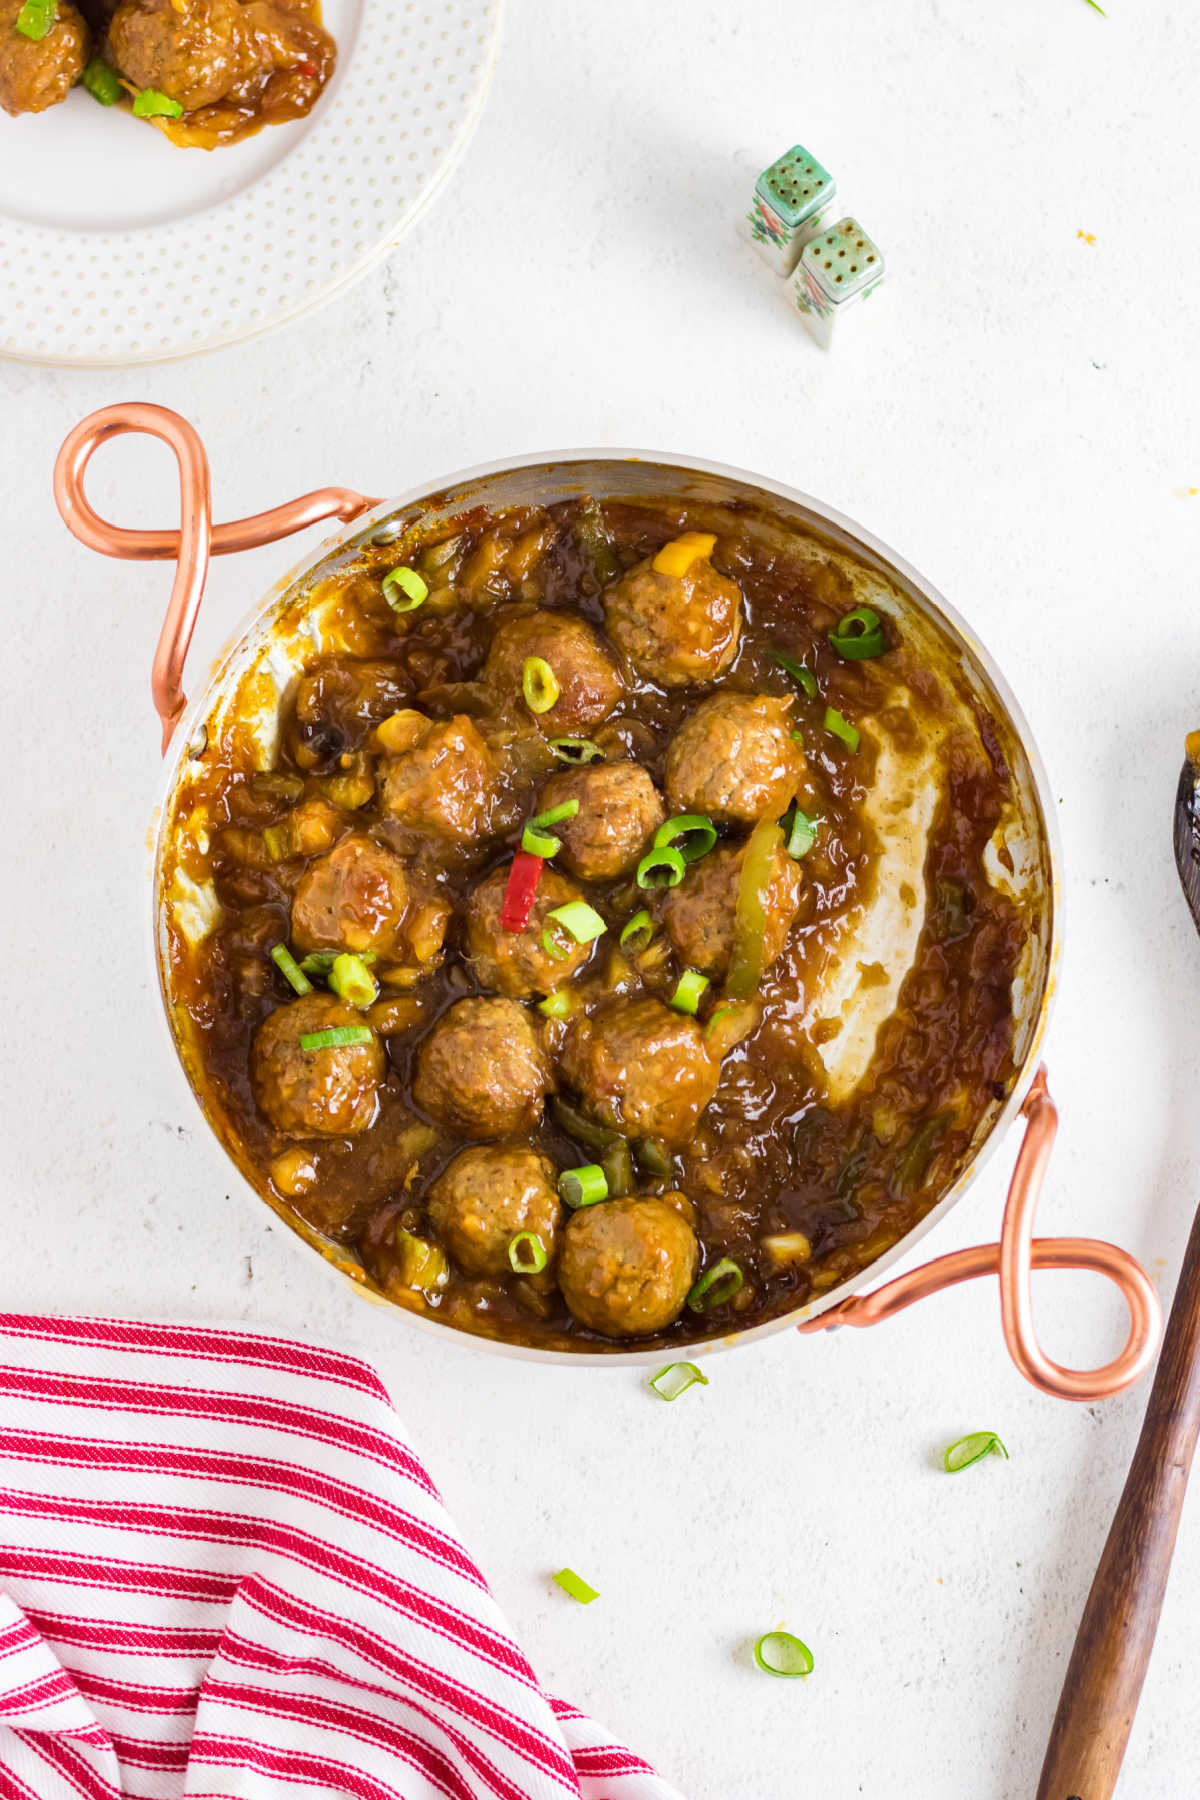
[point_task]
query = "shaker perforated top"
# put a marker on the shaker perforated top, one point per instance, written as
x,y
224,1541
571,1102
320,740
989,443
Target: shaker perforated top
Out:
x,y
795,185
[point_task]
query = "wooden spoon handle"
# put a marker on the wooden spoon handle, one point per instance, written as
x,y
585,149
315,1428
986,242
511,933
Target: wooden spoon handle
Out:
x,y
1116,1634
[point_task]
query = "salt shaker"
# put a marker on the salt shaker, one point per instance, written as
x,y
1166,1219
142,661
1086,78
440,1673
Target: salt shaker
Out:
x,y
836,268
790,200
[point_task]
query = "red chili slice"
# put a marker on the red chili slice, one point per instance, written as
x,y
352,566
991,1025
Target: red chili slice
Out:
x,y
523,880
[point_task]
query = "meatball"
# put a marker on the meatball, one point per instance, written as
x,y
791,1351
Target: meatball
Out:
x,y
589,682
445,783
485,1197
626,1266
329,1092
34,76
194,53
641,1068
619,808
361,897
482,1070
735,759
517,962
699,914
675,629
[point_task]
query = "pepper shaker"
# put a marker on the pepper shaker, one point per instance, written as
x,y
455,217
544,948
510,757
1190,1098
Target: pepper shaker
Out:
x,y
790,200
836,269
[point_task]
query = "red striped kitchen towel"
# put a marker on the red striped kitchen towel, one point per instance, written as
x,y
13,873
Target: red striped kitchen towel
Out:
x,y
224,1573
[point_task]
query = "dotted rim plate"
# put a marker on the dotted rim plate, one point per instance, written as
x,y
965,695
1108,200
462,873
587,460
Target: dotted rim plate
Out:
x,y
368,164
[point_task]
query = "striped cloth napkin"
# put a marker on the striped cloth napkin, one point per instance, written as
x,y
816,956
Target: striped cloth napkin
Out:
x,y
224,1573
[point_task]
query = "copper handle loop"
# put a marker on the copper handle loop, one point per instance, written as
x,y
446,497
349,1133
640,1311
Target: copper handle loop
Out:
x,y
196,539
1013,1258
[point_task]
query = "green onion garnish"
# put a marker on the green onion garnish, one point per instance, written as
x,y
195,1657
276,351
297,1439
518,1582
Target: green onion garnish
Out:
x,y
637,933
674,1379
404,590
796,670
150,104
799,832
779,1653
576,750
102,83
661,867
320,962
537,842
1096,7
688,991
539,684
290,969
583,1186
972,1449
352,981
336,1037
838,727
555,950
859,635
527,1254
690,833
716,1285
576,1586
36,18
557,1004
581,920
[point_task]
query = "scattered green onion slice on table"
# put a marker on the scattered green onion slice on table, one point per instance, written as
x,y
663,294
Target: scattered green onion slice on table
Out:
x,y
337,1037
661,867
581,920
527,1254
972,1449
839,727
290,969
779,1653
690,833
674,1379
556,1005
150,104
102,83
36,19
576,750
716,1285
539,684
583,1186
804,677
800,832
352,981
688,991
637,932
576,1586
404,590
859,635
536,841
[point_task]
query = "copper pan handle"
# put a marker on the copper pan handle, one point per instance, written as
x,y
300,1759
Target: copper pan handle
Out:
x,y
1017,1253
192,544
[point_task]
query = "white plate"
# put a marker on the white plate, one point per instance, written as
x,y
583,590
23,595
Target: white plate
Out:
x,y
118,247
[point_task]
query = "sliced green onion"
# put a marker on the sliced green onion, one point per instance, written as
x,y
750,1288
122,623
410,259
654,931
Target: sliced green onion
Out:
x,y
839,727
320,962
674,1379
539,684
537,842
779,1653
583,1186
576,750
581,920
796,670
716,1285
102,83
556,1005
404,590
352,981
799,831
661,867
576,1586
688,991
527,1254
655,1158
859,635
150,104
290,969
35,19
636,934
690,833
336,1037
555,950
972,1449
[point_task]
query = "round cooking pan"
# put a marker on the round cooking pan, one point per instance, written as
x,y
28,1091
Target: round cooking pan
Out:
x,y
253,673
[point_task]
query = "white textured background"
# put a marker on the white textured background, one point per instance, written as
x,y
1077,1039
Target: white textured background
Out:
x,y
1016,412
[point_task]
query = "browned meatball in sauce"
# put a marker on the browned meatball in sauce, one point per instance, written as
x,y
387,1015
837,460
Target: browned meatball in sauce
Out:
x,y
194,53
517,962
445,783
619,809
626,1266
330,1092
675,629
641,1068
35,76
362,897
482,1070
589,681
699,914
485,1197
735,759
